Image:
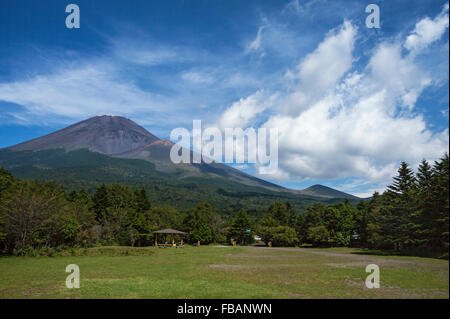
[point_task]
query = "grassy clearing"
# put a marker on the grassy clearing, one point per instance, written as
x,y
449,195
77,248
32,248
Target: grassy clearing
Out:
x,y
222,272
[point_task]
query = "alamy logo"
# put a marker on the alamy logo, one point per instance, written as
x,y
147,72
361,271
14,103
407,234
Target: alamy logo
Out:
x,y
373,19
73,19
73,280
239,146
373,279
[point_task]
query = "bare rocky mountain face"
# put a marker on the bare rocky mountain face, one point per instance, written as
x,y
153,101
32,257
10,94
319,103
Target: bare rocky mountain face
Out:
x,y
110,135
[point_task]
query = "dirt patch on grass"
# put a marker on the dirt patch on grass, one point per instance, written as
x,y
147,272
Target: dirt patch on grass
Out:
x,y
261,256
359,259
257,266
224,266
297,295
395,292
367,262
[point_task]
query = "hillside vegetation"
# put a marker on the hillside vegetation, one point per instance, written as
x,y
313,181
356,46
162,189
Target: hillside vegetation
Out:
x,y
83,169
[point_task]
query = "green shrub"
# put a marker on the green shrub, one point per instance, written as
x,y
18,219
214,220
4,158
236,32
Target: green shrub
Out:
x,y
319,236
284,236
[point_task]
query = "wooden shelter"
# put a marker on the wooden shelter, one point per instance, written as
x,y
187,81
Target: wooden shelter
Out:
x,y
166,232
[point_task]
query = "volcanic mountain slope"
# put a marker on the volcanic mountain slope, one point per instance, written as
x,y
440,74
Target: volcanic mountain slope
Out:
x,y
110,135
325,191
106,149
158,152
120,137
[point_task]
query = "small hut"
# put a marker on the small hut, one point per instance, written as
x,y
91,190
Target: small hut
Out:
x,y
173,233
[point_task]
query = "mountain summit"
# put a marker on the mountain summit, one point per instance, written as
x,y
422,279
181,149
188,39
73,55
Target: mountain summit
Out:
x,y
120,137
110,135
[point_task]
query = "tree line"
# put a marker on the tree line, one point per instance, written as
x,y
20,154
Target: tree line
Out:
x,y
410,216
37,215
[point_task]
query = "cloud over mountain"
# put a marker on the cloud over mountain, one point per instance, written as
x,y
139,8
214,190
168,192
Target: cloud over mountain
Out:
x,y
339,119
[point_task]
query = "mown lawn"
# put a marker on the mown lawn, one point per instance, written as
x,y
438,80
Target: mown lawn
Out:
x,y
224,272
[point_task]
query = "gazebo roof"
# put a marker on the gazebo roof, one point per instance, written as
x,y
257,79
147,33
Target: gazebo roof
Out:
x,y
169,231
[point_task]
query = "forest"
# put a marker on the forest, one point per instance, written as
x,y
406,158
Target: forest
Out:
x,y
410,217
84,169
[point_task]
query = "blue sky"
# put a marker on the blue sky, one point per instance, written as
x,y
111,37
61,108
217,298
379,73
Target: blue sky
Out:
x,y
350,102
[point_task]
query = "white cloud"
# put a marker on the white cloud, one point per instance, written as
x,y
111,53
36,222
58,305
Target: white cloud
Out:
x,y
241,112
256,43
239,80
339,121
293,6
320,71
197,77
144,51
427,31
122,82
78,93
275,40
399,75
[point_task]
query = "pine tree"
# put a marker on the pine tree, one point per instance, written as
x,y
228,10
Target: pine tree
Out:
x,y
440,204
400,193
423,198
199,216
239,229
424,175
201,233
404,181
279,212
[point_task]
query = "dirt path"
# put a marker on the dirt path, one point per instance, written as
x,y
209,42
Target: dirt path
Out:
x,y
357,260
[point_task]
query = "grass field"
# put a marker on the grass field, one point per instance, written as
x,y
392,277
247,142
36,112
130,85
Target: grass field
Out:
x,y
223,272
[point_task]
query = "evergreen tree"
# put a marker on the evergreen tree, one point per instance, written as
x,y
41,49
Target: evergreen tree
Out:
x,y
239,229
424,211
196,218
401,217
313,218
100,202
439,203
218,231
424,175
404,181
292,216
165,216
361,221
279,212
142,201
202,212
201,233
6,180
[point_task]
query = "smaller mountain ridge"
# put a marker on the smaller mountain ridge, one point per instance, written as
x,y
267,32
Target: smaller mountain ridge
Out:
x,y
325,191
